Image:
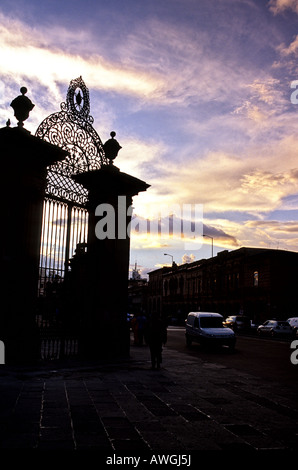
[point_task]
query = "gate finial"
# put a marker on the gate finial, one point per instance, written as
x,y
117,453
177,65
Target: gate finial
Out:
x,y
111,148
22,106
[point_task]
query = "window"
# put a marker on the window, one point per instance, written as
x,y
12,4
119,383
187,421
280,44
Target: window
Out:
x,y
256,278
211,322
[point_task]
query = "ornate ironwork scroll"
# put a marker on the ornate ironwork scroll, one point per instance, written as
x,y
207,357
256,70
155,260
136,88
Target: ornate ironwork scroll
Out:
x,y
65,222
72,130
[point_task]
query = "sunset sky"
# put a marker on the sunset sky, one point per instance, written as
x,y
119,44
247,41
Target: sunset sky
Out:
x,y
199,94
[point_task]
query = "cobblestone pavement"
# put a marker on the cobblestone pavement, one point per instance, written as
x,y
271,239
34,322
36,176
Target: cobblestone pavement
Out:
x,y
187,406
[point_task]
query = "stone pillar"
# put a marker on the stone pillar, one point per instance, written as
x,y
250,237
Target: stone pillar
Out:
x,y
24,159
105,331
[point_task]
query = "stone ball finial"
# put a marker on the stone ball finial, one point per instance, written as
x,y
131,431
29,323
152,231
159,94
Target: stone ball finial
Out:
x,y
22,106
111,148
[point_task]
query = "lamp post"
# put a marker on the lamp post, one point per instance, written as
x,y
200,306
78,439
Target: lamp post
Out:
x,y
211,242
166,254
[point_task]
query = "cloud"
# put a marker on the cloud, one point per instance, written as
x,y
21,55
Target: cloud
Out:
x,y
279,6
232,145
220,236
260,180
188,258
265,90
158,62
172,225
289,50
264,100
195,66
251,111
140,157
43,57
288,227
274,234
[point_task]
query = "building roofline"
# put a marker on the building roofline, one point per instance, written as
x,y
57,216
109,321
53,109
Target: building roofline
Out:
x,y
248,251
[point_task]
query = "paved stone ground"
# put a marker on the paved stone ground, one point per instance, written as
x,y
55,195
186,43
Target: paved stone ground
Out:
x,y
186,407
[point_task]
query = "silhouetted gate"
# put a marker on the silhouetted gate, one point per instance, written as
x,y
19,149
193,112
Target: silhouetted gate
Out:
x,y
65,216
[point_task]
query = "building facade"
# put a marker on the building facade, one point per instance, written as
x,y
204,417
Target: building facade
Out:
x,y
259,283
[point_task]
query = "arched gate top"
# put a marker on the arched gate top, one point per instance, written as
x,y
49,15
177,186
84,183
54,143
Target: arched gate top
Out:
x,y
72,130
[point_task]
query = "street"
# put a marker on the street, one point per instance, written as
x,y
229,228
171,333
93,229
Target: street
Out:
x,y
198,401
267,358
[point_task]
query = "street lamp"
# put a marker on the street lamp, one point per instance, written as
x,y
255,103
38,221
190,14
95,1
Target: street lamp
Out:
x,y
166,254
211,242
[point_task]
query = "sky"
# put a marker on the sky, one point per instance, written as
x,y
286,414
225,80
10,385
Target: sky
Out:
x,y
201,95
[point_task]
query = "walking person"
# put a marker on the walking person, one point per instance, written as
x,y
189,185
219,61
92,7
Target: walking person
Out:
x,y
134,327
141,325
156,336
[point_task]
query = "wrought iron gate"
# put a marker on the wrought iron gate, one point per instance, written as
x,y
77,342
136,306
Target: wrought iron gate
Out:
x,y
65,216
64,226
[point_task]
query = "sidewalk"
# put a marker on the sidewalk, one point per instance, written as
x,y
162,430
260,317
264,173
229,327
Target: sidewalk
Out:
x,y
187,406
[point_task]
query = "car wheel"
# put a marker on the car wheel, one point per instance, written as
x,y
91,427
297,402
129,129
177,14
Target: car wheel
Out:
x,y
188,341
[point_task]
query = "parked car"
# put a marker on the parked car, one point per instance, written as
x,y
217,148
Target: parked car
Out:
x,y
207,329
293,322
237,323
275,328
253,326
